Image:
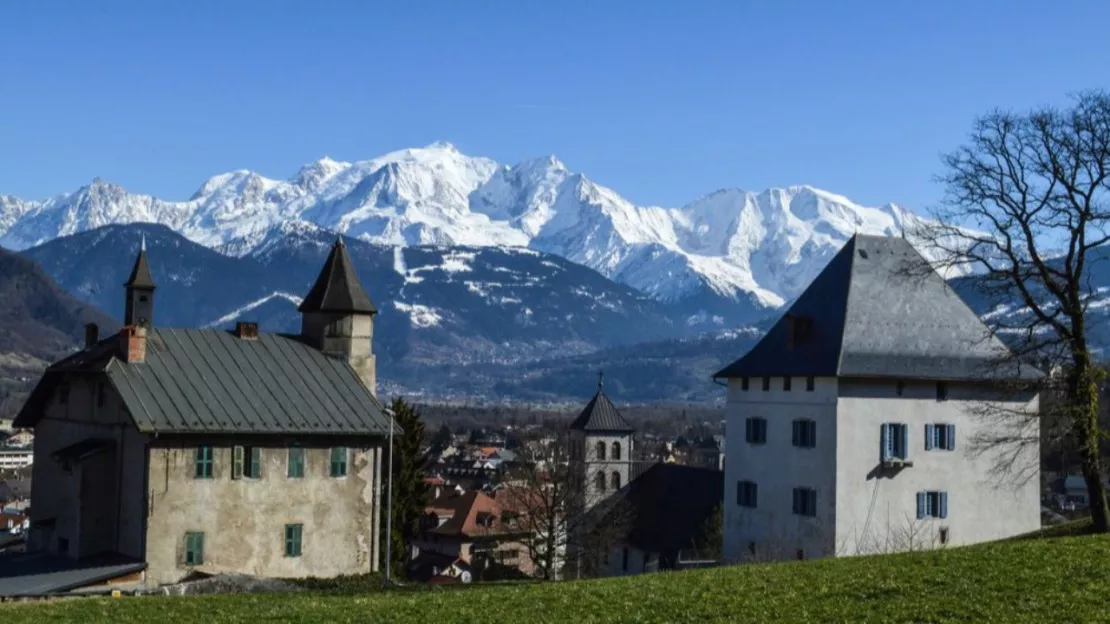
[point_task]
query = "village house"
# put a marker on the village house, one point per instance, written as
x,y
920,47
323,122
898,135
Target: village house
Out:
x,y
469,536
862,421
167,451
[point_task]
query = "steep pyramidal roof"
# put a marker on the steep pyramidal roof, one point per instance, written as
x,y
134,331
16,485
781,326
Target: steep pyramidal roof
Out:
x,y
338,289
140,273
879,310
601,415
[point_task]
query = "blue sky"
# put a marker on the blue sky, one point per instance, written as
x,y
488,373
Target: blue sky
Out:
x,y
663,101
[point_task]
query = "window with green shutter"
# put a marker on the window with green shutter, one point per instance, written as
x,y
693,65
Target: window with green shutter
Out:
x,y
246,462
202,464
293,540
194,549
296,463
339,462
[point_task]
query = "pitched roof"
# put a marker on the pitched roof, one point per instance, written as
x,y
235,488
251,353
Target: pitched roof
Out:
x,y
668,505
209,381
140,273
601,415
465,510
338,288
879,310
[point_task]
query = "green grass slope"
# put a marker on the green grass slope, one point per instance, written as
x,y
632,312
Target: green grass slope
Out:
x,y
1043,580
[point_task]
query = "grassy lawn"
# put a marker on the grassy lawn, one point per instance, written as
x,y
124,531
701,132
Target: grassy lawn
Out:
x,y
1047,580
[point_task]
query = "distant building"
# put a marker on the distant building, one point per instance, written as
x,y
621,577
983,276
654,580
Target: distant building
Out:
x,y
468,535
852,425
13,457
600,451
181,450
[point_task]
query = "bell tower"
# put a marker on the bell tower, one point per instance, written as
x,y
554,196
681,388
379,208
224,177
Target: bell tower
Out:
x,y
337,316
138,305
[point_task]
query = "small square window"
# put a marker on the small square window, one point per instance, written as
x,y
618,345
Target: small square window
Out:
x,y
805,501
786,384
942,391
804,433
293,540
296,463
766,384
810,383
744,384
747,494
900,387
338,462
194,549
755,430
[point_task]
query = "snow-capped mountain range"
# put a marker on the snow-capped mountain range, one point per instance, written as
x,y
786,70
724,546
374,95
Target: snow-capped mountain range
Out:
x,y
729,255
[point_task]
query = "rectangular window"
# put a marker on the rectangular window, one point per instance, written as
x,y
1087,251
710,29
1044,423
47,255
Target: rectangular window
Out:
x,y
900,387
253,467
755,430
194,549
810,383
894,441
339,462
940,437
744,384
805,501
236,462
766,384
805,433
293,540
932,504
942,391
202,463
747,494
296,463
786,384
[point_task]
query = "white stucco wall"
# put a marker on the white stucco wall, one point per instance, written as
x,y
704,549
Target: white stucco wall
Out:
x,y
777,467
877,510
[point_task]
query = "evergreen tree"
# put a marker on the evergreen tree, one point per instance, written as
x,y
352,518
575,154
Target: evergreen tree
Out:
x,y
409,490
442,439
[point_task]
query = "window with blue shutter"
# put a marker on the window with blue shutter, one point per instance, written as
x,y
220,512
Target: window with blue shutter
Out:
x,y
932,504
940,437
804,433
747,494
805,501
755,430
894,441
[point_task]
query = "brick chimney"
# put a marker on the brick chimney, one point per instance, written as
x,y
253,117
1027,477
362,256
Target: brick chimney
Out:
x,y
246,330
133,344
92,334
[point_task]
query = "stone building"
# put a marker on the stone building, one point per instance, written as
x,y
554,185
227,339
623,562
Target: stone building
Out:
x,y
215,451
873,417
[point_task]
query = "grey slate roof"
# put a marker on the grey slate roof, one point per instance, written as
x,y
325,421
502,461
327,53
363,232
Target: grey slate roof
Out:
x,y
338,289
209,381
140,273
601,415
670,505
878,310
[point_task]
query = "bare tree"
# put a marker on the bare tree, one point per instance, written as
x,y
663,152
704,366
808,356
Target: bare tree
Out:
x,y
1026,206
546,500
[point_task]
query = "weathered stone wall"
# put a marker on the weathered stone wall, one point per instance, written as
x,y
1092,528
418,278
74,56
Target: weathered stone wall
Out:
x,y
243,520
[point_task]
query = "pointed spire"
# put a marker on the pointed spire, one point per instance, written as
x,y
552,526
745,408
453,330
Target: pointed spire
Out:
x,y
338,288
600,414
140,273
600,380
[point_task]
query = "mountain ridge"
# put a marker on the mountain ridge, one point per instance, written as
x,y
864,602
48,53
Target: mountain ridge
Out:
x,y
728,256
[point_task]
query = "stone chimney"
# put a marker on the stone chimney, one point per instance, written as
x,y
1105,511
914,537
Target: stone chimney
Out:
x,y
92,334
246,331
133,344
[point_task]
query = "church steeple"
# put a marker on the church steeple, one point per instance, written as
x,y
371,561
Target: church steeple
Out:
x,y
138,308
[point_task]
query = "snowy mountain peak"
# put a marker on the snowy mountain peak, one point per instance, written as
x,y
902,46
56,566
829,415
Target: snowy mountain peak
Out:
x,y
730,249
